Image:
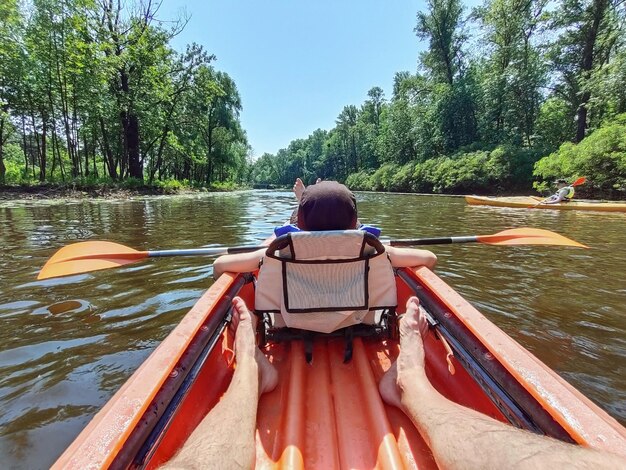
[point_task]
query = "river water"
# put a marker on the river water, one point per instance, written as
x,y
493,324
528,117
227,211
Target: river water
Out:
x,y
66,345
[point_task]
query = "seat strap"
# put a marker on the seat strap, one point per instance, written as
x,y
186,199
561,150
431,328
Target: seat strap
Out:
x,y
349,336
308,347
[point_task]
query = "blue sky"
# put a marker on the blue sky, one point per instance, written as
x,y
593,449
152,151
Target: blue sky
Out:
x,y
298,63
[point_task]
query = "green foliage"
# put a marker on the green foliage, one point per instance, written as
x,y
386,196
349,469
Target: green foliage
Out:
x,y
359,181
590,38
94,88
224,186
513,73
170,186
601,157
503,169
442,26
478,120
554,124
15,174
92,93
132,183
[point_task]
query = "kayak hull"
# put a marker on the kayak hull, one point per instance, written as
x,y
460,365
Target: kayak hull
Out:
x,y
327,413
532,202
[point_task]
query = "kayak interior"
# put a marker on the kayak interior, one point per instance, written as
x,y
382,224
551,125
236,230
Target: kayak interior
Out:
x,y
327,413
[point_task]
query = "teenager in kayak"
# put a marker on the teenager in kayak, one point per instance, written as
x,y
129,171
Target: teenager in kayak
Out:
x,y
326,205
459,438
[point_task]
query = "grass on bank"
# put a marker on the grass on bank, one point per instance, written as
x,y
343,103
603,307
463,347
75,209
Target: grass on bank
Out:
x,y
92,184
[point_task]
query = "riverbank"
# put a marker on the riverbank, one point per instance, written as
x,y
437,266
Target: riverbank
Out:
x,y
106,191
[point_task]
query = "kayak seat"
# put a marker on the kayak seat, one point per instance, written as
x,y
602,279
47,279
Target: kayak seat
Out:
x,y
338,283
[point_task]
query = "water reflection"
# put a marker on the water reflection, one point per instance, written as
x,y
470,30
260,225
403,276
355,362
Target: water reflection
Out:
x,y
68,344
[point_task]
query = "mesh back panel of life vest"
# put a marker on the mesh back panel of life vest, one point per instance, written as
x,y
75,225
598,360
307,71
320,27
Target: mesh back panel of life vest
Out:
x,y
324,281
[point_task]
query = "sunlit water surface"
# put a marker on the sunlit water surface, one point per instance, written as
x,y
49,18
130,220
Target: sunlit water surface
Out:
x,y
66,345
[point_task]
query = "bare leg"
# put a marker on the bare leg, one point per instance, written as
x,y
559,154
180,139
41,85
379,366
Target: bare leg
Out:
x,y
298,187
461,438
225,438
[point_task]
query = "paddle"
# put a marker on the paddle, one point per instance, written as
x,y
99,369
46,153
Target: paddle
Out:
x,y
578,182
90,256
515,236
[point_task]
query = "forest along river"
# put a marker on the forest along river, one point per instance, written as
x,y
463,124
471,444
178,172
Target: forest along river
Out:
x,y
66,345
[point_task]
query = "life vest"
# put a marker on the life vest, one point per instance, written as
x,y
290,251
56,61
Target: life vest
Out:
x,y
324,281
288,228
570,192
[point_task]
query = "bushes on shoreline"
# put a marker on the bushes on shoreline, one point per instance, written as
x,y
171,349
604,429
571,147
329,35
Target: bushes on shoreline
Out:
x,y
601,157
105,186
503,169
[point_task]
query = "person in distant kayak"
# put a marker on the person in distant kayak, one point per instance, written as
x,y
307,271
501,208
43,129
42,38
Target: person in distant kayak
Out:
x,y
326,205
459,438
564,193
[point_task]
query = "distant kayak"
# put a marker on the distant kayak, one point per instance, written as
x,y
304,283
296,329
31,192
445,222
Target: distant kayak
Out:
x,y
533,202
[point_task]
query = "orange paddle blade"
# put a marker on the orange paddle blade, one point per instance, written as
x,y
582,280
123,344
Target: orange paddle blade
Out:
x,y
579,181
528,236
89,256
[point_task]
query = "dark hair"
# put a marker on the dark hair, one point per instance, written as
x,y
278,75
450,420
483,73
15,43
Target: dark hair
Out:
x,y
327,205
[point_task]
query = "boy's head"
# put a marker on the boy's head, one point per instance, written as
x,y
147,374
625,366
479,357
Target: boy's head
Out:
x,y
327,205
561,183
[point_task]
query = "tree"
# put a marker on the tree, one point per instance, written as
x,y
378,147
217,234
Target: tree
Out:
x,y
444,28
11,72
513,73
589,32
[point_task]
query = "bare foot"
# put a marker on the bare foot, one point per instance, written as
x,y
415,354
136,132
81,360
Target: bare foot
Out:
x,y
409,367
246,348
298,188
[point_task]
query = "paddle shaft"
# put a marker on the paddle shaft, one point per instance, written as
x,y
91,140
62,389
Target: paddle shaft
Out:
x,y
431,241
205,251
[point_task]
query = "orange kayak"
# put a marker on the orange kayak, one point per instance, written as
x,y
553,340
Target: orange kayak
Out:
x,y
327,413
533,202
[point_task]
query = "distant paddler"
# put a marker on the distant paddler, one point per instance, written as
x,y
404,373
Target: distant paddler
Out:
x,y
565,192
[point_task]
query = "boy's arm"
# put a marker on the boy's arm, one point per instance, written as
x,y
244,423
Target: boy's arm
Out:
x,y
410,257
239,263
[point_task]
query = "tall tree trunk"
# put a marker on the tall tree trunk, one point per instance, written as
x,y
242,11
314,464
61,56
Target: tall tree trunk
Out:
x,y
34,135
24,144
86,150
159,158
93,144
130,130
108,155
581,117
43,156
599,11
135,168
3,168
54,149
